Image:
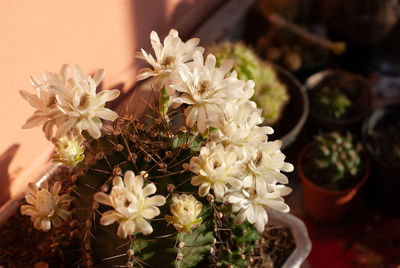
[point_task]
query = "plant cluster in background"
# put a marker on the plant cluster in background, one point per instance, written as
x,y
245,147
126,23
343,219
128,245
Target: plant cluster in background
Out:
x,y
270,94
334,161
177,194
331,102
245,62
273,96
287,49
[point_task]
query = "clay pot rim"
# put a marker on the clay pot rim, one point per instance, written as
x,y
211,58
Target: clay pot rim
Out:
x,y
303,177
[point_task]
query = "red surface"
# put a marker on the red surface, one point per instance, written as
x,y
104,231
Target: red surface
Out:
x,y
366,236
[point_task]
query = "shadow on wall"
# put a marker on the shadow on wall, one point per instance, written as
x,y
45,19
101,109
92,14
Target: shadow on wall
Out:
x,y
5,178
160,16
146,17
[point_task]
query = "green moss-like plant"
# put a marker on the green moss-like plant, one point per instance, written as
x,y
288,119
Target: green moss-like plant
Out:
x,y
270,93
246,62
272,96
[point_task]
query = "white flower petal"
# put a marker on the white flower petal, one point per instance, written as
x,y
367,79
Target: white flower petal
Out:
x,y
109,217
98,76
149,189
45,224
143,226
150,213
102,198
241,216
55,189
34,121
93,129
204,189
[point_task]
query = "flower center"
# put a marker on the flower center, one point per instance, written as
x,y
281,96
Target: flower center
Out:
x,y
217,164
84,102
52,101
45,202
258,159
250,194
168,62
204,88
127,203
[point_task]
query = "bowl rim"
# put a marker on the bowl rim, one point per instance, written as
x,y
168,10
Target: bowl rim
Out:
x,y
287,139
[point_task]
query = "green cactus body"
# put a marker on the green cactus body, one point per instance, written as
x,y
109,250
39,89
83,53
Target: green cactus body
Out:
x,y
243,239
133,199
132,148
336,159
161,249
270,94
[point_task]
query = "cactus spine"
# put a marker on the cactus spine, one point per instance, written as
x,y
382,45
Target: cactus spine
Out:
x,y
337,159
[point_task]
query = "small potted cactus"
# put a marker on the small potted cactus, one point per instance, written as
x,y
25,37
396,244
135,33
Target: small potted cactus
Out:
x,y
331,103
146,192
280,96
332,170
338,100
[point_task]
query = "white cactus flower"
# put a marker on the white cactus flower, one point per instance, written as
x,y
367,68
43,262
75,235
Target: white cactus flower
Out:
x,y
46,207
132,204
216,168
69,149
205,89
239,127
83,106
171,56
253,206
45,102
70,104
185,209
265,167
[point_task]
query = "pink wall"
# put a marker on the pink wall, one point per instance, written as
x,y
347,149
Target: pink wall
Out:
x,y
41,35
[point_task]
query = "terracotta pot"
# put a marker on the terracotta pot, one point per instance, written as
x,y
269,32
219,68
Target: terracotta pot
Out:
x,y
328,205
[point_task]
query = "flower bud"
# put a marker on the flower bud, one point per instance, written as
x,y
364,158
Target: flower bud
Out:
x,y
69,149
185,209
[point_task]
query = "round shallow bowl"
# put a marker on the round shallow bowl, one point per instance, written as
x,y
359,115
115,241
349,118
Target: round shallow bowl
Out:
x,y
295,113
